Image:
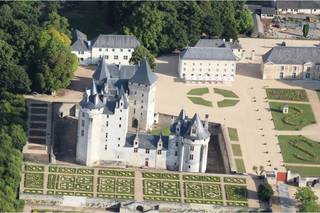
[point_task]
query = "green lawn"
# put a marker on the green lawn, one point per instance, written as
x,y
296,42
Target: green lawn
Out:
x,y
227,103
240,166
225,93
165,131
299,116
299,149
287,94
236,149
233,134
198,91
318,92
305,171
200,101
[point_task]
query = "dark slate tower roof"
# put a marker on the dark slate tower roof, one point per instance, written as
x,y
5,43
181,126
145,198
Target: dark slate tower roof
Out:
x,y
102,71
196,129
144,74
78,35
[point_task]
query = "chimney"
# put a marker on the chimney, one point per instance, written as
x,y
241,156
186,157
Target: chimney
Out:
x,y
89,44
224,40
231,40
206,123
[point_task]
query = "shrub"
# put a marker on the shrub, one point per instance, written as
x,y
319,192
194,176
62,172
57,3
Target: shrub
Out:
x,y
265,192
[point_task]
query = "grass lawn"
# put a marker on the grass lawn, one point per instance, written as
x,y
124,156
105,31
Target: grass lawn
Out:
x,y
198,91
165,131
318,92
305,171
299,149
200,101
225,93
240,166
299,116
227,103
287,94
236,149
233,134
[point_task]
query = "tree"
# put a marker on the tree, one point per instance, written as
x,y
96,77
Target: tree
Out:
x,y
259,171
307,199
13,77
265,192
305,30
141,52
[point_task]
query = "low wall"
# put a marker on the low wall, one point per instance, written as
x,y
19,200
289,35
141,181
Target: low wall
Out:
x,y
226,150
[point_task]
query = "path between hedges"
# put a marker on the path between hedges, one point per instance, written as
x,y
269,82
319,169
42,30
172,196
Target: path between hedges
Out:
x,y
303,165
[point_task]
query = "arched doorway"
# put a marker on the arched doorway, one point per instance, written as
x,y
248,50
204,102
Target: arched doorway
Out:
x,y
135,123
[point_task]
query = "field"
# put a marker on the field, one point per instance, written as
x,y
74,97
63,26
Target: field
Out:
x,y
200,101
299,149
225,93
236,149
287,94
299,116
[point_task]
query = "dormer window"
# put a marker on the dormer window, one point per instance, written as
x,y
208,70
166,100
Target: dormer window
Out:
x,y
136,143
193,131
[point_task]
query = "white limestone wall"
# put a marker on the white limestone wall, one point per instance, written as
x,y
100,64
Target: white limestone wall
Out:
x,y
193,160
113,55
298,11
142,104
88,144
84,57
207,70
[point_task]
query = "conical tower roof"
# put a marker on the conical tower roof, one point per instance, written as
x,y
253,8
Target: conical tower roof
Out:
x,y
144,74
102,71
199,131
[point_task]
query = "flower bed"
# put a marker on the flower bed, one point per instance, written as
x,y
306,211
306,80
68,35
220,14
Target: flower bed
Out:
x,y
66,170
201,178
287,94
34,168
160,175
234,180
231,203
236,193
115,186
203,191
85,171
107,172
161,188
33,180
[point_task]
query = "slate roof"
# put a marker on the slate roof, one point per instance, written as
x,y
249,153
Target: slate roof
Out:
x,y
292,55
144,74
115,41
217,43
268,10
297,4
186,126
78,35
147,141
208,53
80,45
102,71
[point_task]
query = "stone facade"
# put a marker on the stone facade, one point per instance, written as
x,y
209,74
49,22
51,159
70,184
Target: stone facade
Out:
x,y
109,107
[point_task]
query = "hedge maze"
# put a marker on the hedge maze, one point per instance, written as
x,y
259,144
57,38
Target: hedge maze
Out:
x,y
113,187
207,193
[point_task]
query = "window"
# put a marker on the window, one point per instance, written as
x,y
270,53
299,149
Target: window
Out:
x,y
175,153
191,157
118,139
106,135
141,107
189,167
121,50
282,68
106,49
147,151
82,123
100,49
191,148
106,57
134,111
193,131
184,69
83,114
177,144
115,57
307,75
118,145
142,95
120,118
294,68
159,152
112,50
119,125
135,150
135,102
281,75
107,123
129,50
105,147
125,57
82,132
294,75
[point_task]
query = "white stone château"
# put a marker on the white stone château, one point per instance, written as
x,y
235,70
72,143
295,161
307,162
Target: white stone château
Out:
x,y
107,109
117,49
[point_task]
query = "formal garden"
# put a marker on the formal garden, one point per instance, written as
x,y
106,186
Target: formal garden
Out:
x,y
298,116
225,93
227,103
299,149
194,95
287,94
200,101
120,184
198,91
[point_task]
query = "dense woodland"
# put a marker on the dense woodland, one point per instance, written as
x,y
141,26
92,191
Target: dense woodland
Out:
x,y
35,54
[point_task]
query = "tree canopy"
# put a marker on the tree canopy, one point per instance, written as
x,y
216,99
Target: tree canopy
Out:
x,y
265,192
141,52
308,200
